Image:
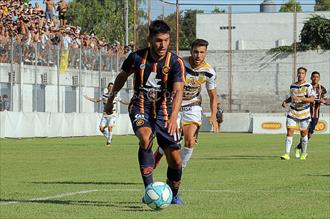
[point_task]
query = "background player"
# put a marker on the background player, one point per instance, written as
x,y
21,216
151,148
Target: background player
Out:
x,y
108,120
320,97
301,96
158,88
198,72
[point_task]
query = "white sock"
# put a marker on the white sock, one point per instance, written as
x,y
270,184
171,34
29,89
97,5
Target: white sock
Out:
x,y
160,150
106,133
186,155
288,144
110,137
304,143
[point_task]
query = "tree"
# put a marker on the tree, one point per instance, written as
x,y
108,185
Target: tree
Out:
x,y
105,18
291,6
315,33
322,5
217,10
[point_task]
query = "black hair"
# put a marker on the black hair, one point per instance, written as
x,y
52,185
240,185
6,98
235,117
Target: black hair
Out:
x,y
302,68
158,26
110,84
199,42
315,73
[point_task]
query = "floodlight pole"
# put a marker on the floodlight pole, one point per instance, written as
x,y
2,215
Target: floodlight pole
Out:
x,y
230,62
177,26
148,13
134,26
294,53
126,22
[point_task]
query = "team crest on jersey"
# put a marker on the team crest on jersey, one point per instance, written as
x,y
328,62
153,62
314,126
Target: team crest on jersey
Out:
x,y
166,69
142,66
139,122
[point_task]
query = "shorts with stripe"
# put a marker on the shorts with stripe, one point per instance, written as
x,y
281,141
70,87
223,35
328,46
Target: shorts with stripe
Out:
x,y
143,118
293,123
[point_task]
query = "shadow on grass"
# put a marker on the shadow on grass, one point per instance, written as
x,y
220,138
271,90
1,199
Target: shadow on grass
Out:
x,y
323,175
125,206
87,183
239,157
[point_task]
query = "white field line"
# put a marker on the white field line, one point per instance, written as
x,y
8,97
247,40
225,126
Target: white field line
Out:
x,y
140,190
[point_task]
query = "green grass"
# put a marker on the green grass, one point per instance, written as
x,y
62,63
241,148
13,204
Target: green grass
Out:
x,y
229,176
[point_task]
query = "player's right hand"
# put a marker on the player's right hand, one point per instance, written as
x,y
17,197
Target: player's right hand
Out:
x,y
283,104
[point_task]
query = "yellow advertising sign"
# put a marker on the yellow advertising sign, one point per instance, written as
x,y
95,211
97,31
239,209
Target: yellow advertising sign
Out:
x,y
271,125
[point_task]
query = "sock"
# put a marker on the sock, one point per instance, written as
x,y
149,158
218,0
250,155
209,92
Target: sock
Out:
x,y
186,155
110,137
146,161
288,144
174,179
106,133
304,143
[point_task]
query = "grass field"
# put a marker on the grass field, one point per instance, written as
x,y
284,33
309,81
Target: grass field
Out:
x,y
229,176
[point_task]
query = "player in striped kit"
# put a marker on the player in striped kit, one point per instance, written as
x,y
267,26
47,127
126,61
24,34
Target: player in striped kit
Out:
x,y
108,121
301,96
198,73
320,98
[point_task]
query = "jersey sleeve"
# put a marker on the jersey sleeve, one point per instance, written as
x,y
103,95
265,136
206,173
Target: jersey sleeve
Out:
x,y
179,72
128,65
310,91
211,82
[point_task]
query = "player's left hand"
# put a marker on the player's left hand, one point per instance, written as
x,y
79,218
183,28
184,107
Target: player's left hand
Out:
x,y
172,126
214,124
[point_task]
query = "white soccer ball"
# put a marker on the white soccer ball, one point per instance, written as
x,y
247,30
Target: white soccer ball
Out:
x,y
158,195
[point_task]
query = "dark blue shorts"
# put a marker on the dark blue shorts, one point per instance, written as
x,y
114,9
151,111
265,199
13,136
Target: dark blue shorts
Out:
x,y
312,125
157,125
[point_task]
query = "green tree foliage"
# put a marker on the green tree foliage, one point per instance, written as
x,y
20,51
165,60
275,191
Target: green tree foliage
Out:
x,y
218,10
290,6
105,18
322,5
316,33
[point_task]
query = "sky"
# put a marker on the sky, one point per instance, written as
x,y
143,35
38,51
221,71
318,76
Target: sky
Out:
x,y
157,6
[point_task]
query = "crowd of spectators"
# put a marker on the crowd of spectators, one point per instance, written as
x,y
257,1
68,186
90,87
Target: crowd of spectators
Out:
x,y
30,26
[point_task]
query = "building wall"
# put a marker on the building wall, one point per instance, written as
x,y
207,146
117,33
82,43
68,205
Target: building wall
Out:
x,y
251,31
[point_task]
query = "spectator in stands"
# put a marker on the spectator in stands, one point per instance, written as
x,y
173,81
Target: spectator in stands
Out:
x,y
62,9
1,104
50,6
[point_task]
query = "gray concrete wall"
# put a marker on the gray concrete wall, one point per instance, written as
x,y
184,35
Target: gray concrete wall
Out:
x,y
261,80
251,30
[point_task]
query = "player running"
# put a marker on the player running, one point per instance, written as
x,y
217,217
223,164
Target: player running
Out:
x,y
198,72
320,97
108,121
301,96
159,77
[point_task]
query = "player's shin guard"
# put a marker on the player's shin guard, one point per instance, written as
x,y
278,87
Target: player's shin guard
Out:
x,y
186,154
288,144
174,179
304,143
146,161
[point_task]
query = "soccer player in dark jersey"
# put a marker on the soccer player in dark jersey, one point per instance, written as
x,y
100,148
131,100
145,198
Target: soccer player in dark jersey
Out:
x,y
321,97
159,77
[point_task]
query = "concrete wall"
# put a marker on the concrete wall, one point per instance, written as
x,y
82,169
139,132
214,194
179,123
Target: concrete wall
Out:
x,y
251,30
261,80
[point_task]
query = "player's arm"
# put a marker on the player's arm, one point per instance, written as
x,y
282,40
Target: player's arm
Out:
x,y
126,102
286,101
176,105
92,99
127,70
324,98
213,106
117,86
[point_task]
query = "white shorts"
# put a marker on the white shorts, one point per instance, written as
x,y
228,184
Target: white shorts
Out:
x,y
296,123
190,115
108,120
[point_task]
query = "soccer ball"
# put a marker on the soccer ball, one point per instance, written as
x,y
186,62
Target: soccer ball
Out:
x,y
158,195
